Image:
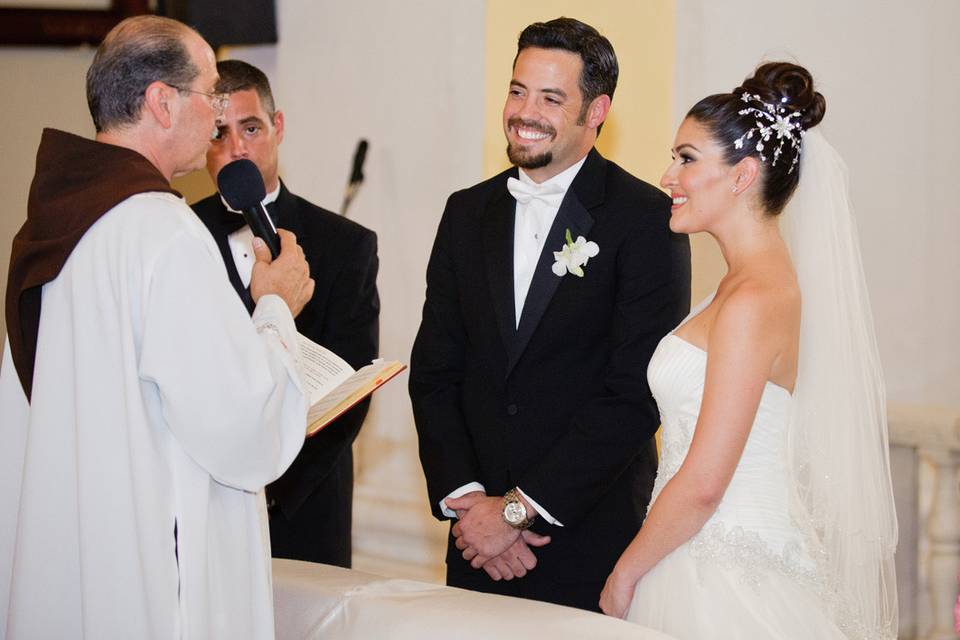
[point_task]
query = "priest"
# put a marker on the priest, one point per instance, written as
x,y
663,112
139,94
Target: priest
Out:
x,y
143,409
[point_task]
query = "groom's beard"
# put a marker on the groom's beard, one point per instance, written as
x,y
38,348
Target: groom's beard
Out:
x,y
528,161
521,158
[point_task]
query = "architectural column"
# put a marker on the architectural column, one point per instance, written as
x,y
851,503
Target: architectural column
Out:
x,y
943,533
934,433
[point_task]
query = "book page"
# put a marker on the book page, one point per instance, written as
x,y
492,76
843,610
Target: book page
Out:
x,y
322,369
350,384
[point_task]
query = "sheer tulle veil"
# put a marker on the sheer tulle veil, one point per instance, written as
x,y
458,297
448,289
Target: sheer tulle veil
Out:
x,y
838,444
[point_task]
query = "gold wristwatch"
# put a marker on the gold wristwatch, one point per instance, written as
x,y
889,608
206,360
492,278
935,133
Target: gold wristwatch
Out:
x,y
514,513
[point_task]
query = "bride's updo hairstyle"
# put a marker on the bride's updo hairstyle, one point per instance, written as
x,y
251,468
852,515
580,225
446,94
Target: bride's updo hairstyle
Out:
x,y
764,118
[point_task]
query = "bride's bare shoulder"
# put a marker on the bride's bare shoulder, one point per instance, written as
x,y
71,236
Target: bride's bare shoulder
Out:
x,y
763,302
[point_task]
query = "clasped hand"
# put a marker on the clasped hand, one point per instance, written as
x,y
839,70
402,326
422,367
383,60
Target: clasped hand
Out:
x,y
490,543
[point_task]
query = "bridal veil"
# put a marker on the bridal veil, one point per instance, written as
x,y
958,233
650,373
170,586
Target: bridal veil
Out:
x,y
838,444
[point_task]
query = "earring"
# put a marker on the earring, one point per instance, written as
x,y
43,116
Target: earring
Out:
x,y
734,190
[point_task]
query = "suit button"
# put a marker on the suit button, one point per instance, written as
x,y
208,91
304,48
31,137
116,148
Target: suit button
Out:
x,y
512,410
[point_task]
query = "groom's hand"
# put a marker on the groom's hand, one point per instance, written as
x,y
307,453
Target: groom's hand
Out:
x,y
461,512
482,533
518,559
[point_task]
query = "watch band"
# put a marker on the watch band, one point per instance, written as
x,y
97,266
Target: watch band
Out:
x,y
514,512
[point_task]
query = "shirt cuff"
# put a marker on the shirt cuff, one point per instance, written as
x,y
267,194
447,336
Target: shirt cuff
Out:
x,y
540,510
456,493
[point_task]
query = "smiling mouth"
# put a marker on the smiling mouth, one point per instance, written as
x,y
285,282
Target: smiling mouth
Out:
x,y
679,200
533,135
529,131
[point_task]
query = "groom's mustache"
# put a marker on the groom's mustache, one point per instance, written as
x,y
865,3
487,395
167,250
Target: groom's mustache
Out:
x,y
516,122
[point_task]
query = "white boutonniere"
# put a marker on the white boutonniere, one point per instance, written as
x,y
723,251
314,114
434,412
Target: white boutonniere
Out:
x,y
574,255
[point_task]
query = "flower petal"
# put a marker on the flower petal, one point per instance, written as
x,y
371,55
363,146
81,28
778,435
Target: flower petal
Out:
x,y
559,268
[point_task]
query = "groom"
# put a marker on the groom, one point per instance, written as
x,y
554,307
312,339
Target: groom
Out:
x,y
528,374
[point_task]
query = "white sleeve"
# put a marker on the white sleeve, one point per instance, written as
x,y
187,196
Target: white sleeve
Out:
x,y
456,493
540,510
230,394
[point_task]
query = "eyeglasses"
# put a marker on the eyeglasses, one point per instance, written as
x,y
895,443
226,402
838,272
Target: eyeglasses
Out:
x,y
218,101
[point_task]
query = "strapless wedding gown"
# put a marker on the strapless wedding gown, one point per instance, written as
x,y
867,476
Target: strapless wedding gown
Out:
x,y
746,573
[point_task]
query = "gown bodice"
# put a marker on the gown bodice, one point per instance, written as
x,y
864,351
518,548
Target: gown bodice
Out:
x,y
752,525
747,573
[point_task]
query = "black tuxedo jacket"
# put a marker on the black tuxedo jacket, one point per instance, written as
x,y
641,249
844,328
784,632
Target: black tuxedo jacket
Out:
x,y
559,406
343,316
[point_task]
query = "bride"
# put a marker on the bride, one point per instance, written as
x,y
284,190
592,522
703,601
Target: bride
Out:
x,y
773,511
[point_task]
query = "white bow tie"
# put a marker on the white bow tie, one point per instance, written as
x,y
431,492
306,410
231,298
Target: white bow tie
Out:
x,y
549,194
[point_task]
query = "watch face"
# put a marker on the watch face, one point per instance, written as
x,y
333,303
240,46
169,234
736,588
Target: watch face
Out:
x,y
514,512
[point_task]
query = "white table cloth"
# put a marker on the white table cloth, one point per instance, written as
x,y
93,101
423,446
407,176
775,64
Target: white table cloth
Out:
x,y
316,601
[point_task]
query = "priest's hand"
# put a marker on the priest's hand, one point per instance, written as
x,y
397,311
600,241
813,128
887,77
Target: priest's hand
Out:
x,y
518,559
288,276
481,533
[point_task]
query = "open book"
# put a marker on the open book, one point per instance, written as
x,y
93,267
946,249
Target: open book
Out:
x,y
332,386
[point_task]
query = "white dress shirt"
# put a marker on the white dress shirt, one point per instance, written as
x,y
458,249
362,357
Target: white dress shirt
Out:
x,y
532,223
241,241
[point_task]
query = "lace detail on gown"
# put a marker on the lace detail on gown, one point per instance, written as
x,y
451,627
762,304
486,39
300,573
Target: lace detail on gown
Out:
x,y
747,553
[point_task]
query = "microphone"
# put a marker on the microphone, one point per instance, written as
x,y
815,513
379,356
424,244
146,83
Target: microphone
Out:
x,y
356,175
241,185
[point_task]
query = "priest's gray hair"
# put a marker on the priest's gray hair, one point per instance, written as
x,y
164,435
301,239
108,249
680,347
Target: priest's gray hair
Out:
x,y
136,52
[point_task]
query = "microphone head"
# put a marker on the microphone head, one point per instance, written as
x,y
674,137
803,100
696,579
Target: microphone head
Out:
x,y
241,184
356,175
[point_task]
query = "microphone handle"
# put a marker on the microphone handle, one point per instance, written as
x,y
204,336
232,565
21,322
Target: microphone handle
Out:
x,y
348,194
260,224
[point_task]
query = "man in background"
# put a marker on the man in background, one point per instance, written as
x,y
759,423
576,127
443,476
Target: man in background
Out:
x,y
310,506
143,411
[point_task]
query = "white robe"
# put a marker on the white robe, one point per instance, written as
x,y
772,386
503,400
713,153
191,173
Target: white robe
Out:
x,y
155,401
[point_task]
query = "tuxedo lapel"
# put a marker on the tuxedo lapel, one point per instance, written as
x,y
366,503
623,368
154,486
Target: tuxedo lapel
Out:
x,y
585,193
284,212
222,222
498,224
